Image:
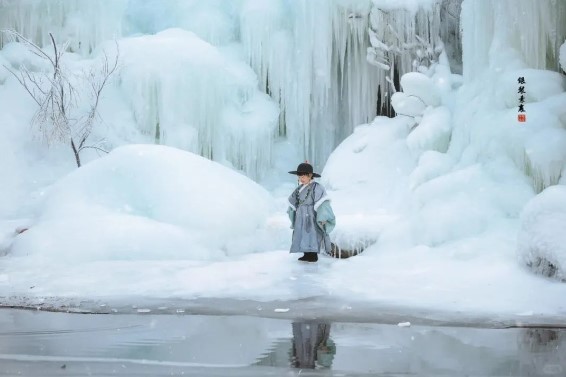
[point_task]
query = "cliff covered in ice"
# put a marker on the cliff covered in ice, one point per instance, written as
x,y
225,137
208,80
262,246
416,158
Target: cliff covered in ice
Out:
x,y
327,65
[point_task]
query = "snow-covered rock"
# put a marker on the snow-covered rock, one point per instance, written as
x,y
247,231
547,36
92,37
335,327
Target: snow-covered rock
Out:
x,y
404,104
542,239
539,85
147,202
366,177
433,131
421,86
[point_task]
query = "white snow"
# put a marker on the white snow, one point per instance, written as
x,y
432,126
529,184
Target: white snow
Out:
x,y
513,33
147,202
441,197
433,131
541,239
407,105
419,85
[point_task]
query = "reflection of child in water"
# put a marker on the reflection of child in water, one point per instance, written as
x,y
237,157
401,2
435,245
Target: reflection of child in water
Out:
x,y
312,345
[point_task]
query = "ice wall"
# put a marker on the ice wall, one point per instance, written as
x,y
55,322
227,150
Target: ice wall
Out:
x,y
188,94
534,28
450,32
502,42
84,23
310,56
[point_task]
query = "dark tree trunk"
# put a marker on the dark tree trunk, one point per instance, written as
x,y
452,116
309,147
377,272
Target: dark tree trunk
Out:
x,y
76,152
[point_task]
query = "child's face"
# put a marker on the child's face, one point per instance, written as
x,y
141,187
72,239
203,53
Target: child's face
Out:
x,y
305,178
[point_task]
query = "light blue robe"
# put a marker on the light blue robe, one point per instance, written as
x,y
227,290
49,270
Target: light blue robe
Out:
x,y
309,207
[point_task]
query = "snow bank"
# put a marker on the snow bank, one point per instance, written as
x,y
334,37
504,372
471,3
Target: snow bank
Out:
x,y
541,239
467,201
367,179
148,202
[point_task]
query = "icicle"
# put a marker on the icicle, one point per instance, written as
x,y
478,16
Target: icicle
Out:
x,y
403,40
534,28
326,86
267,46
84,23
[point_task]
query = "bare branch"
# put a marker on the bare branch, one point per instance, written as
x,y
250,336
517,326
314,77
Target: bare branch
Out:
x,y
32,46
22,82
57,93
93,147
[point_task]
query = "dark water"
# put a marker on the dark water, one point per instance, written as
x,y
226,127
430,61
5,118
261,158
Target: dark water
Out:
x,y
35,343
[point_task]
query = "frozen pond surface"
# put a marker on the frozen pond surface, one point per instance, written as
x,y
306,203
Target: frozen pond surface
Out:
x,y
37,343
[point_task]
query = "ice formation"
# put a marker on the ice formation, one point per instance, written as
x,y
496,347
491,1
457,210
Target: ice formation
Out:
x,y
309,56
148,202
541,241
85,24
502,42
189,95
535,29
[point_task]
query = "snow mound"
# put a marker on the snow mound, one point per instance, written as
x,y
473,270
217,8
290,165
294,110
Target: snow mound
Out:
x,y
421,86
366,177
433,131
148,202
541,239
538,86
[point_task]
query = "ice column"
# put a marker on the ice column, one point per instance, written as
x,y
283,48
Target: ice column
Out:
x,y
84,23
535,28
310,56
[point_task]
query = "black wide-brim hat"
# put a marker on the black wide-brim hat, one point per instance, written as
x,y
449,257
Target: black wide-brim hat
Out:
x,y
305,168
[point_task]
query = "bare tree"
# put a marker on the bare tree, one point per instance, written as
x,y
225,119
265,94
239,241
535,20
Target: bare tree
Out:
x,y
60,116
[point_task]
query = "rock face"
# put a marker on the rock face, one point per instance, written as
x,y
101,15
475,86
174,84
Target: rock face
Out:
x,y
338,252
544,267
542,240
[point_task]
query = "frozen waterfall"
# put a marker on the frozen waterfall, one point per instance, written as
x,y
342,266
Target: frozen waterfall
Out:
x,y
327,65
310,56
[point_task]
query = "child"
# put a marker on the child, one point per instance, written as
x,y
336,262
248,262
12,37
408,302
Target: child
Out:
x,y
310,214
